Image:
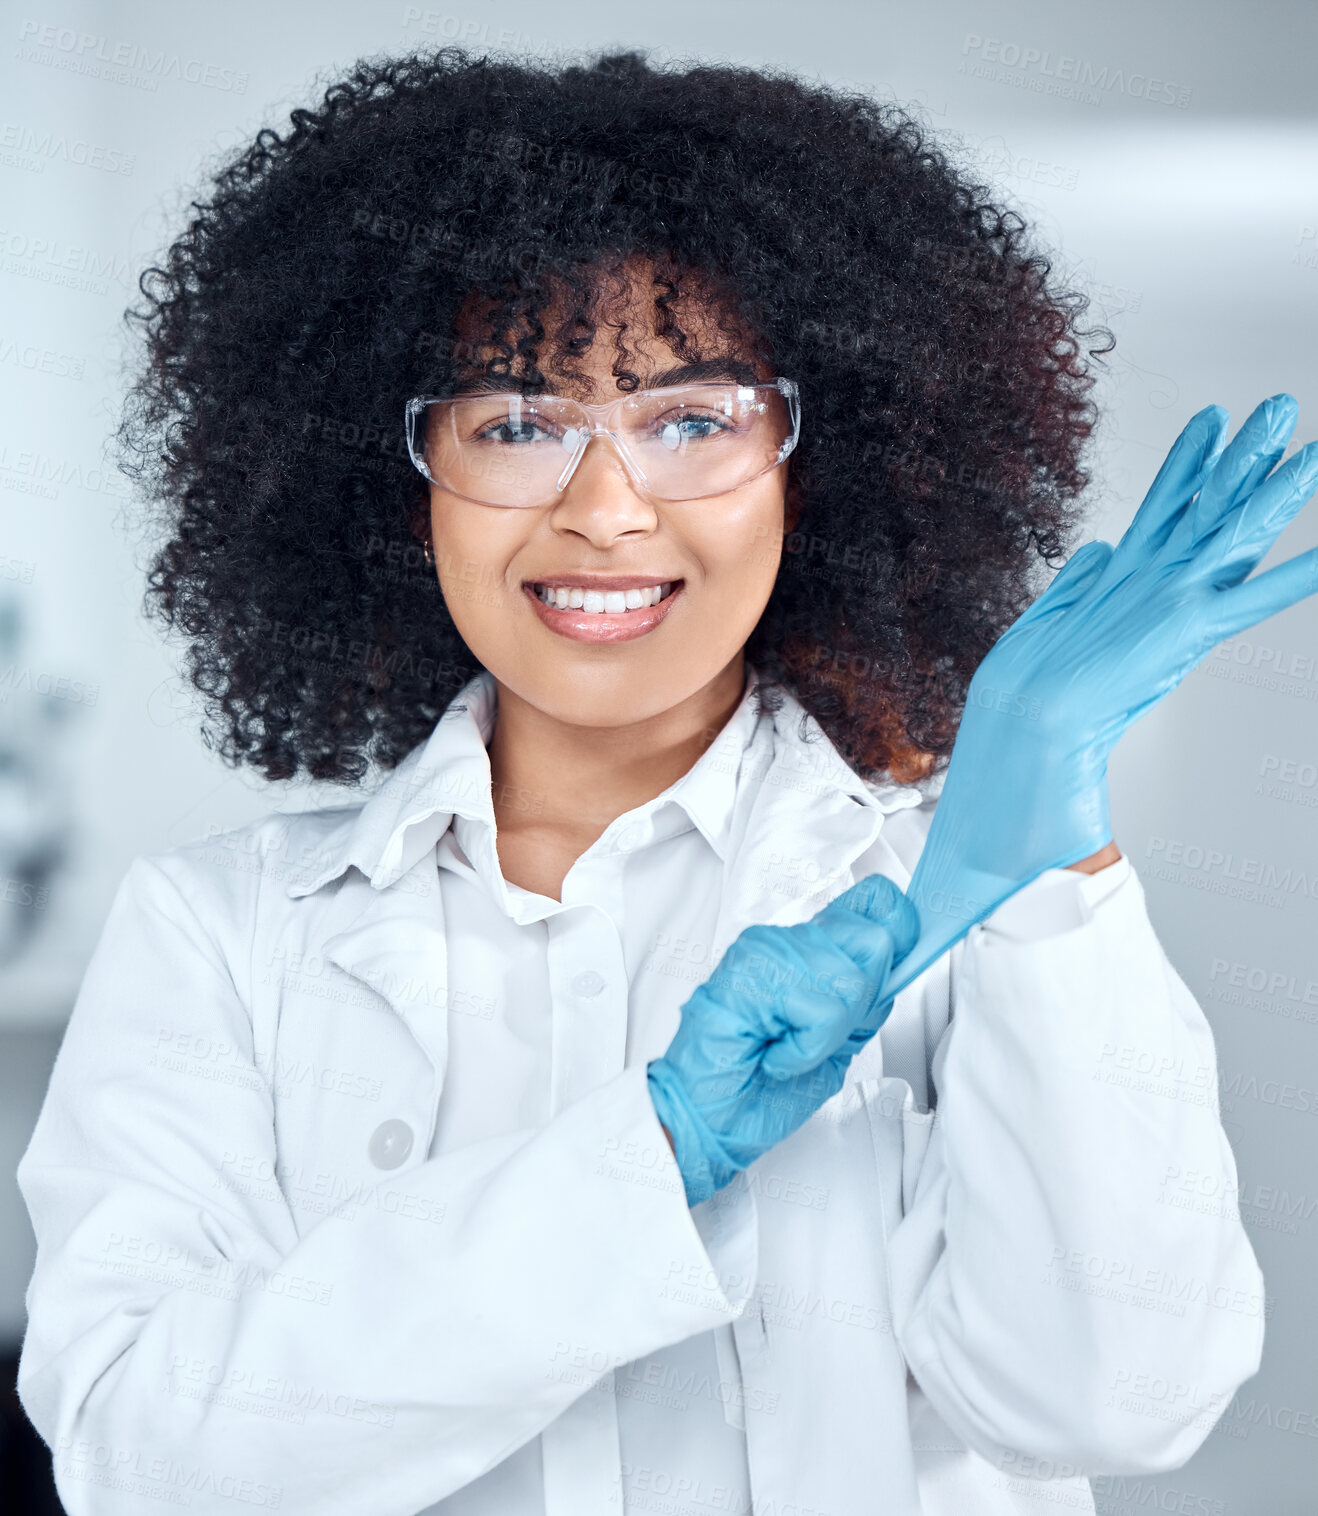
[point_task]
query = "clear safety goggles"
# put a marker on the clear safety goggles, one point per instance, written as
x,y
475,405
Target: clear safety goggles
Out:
x,y
684,442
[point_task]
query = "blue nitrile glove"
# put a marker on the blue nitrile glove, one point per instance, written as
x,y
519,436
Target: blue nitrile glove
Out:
x,y
768,1037
1116,631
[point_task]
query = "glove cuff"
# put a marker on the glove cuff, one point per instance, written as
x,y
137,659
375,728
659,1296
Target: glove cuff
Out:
x,y
693,1142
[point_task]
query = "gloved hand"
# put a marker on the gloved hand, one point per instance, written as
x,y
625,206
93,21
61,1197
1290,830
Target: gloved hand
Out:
x,y
1116,631
768,1037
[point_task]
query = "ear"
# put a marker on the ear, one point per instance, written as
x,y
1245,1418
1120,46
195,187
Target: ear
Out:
x,y
418,522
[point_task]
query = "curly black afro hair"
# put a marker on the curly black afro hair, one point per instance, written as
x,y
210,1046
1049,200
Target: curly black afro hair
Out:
x,y
944,383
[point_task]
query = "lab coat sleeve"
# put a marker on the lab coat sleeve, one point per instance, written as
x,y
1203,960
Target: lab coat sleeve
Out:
x,y
183,1344
1057,1307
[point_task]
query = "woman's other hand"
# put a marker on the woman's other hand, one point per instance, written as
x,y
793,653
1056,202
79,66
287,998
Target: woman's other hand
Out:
x,y
768,1037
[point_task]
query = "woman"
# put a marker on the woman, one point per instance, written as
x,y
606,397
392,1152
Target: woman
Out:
x,y
544,1133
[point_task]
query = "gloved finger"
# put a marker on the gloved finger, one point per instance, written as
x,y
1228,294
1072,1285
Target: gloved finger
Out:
x,y
1072,579
850,919
782,981
1249,458
1257,599
814,1018
1186,465
799,1096
875,1014
1183,470
871,951
860,934
1245,536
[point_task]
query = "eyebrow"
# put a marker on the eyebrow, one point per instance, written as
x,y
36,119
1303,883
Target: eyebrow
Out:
x,y
735,370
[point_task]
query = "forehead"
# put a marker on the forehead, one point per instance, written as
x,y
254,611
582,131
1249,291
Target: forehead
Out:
x,y
609,331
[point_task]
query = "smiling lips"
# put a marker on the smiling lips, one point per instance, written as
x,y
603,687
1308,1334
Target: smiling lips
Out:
x,y
610,610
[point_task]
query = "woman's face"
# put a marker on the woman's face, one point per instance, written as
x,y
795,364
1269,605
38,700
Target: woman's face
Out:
x,y
722,552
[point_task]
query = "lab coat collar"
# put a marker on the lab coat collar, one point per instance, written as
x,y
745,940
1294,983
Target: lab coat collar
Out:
x,y
786,752
797,819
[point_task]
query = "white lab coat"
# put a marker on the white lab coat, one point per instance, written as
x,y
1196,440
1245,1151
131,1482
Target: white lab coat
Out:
x,y
996,1301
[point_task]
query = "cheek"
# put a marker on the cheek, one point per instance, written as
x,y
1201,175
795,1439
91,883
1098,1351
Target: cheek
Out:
x,y
472,554
745,541
472,548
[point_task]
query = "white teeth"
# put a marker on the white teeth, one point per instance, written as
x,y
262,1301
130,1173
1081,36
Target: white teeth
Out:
x,y
611,602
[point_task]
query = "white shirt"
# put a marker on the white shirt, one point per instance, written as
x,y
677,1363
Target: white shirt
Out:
x,y
350,1198
581,989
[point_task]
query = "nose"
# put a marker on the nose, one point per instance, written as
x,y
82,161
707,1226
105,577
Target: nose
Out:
x,y
600,499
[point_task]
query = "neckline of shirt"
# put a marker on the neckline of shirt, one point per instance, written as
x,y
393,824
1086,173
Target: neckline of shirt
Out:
x,y
701,799
402,821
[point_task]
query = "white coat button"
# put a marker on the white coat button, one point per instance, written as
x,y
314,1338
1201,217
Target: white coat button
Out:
x,y
589,983
390,1144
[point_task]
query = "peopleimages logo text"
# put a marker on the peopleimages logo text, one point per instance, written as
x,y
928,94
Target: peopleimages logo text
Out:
x,y
1075,71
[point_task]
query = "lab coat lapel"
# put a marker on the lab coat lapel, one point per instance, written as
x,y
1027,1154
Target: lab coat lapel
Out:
x,y
802,819
393,940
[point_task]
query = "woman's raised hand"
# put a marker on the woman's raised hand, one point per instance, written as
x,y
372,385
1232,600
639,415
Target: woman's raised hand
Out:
x,y
1115,632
